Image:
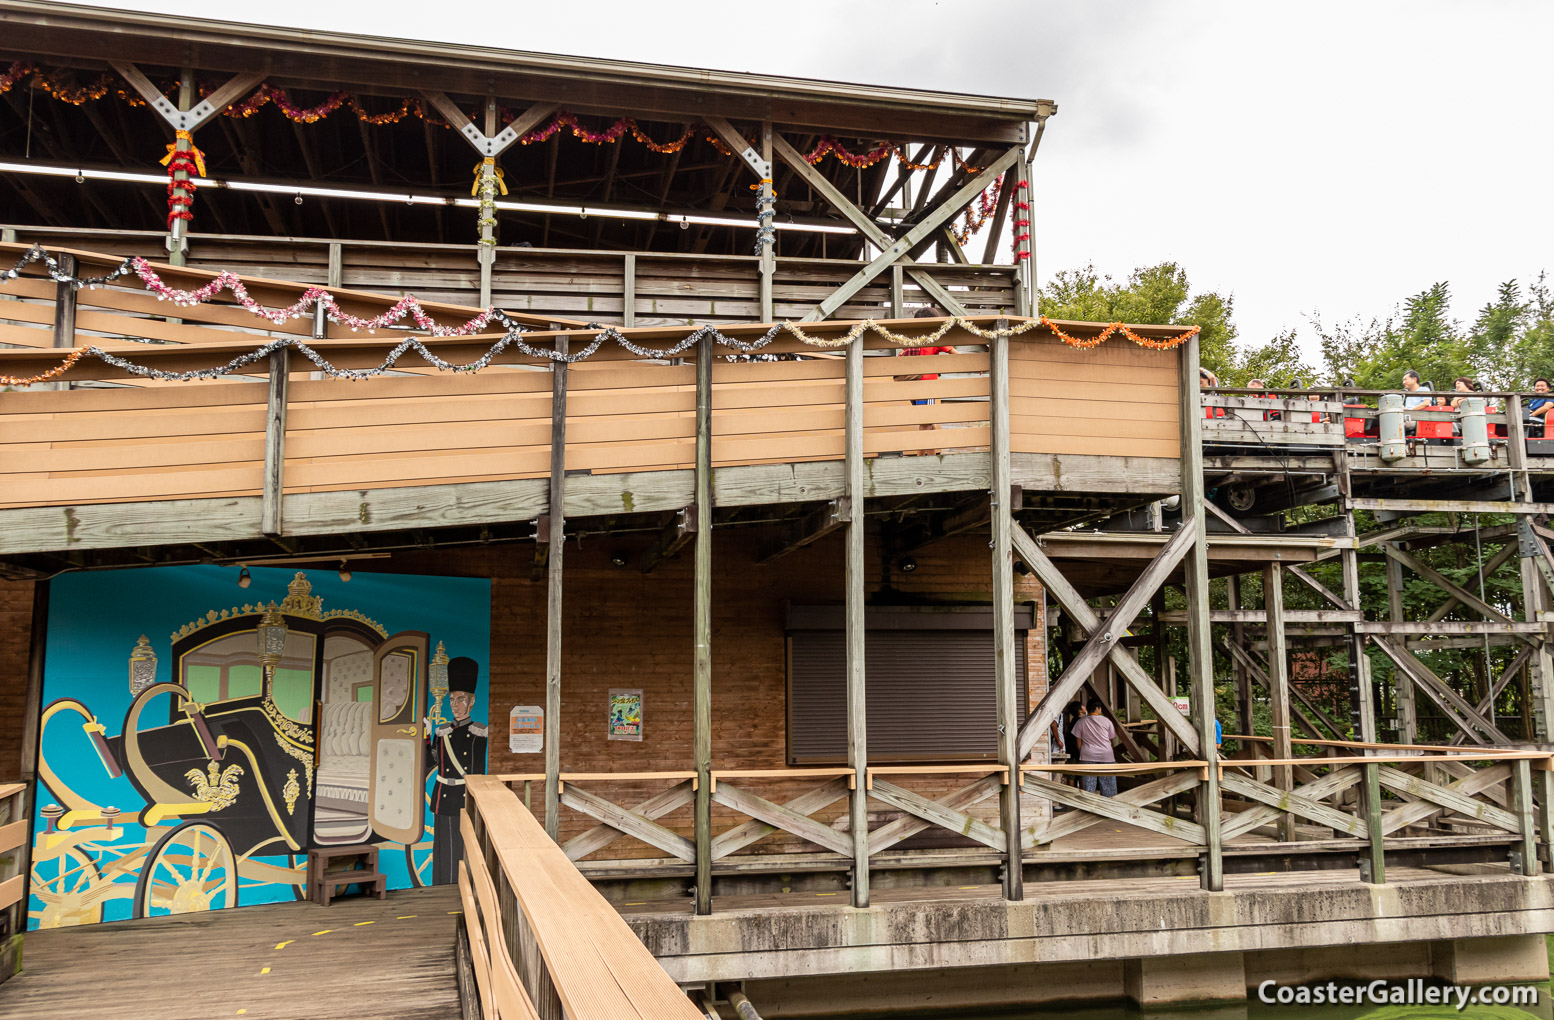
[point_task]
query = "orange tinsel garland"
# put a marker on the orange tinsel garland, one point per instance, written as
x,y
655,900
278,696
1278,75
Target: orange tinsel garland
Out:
x,y
1121,327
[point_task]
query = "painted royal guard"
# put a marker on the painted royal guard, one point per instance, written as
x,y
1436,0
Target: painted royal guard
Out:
x,y
454,751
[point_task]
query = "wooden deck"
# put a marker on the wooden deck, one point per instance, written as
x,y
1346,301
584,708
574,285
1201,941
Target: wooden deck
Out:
x,y
358,958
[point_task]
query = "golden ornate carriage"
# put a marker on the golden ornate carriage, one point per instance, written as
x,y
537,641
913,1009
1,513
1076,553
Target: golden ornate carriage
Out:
x,y
287,727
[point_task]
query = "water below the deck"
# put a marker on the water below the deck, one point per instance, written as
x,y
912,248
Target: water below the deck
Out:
x,y
1544,1008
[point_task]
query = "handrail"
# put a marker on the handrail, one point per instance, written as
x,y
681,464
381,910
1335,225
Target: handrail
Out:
x,y
13,843
575,956
1457,749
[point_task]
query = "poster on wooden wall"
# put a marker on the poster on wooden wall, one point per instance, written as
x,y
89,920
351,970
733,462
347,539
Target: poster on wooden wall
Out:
x,y
625,714
198,738
526,729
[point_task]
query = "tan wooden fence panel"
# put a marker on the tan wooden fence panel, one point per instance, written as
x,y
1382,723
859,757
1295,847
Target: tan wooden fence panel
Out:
x,y
1117,399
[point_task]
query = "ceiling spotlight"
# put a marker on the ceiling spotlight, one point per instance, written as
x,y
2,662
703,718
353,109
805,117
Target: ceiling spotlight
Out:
x,y
297,198
243,579
80,177
345,571
685,224
619,559
907,564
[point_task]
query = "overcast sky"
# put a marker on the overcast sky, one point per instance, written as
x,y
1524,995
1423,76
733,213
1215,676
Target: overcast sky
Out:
x,y
1321,157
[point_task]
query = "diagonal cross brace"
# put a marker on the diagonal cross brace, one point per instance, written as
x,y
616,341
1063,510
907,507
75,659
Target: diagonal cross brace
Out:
x,y
186,120
602,835
1089,622
504,139
860,219
1439,691
932,811
935,218
1100,646
741,146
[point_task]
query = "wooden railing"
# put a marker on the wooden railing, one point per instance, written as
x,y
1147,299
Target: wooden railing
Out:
x,y
617,288
1356,799
276,428
13,850
543,943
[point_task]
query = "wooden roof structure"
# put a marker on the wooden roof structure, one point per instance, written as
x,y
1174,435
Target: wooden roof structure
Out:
x,y
73,45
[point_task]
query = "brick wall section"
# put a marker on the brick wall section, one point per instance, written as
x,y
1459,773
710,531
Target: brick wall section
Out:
x,y
15,645
622,628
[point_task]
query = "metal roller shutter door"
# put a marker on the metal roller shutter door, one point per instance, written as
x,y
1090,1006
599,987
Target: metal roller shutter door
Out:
x,y
931,695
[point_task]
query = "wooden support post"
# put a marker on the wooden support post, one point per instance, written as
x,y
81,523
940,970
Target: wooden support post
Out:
x,y
1402,684
1524,855
178,230
769,247
1535,597
1200,649
897,293
485,247
1278,689
1359,663
1373,863
1163,670
64,313
1543,781
556,539
1025,268
275,441
701,680
1004,663
629,292
1242,680
857,672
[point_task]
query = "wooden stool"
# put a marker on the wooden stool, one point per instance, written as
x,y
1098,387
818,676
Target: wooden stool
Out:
x,y
322,882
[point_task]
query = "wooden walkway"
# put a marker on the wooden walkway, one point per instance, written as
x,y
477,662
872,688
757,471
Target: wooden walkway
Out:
x,y
356,959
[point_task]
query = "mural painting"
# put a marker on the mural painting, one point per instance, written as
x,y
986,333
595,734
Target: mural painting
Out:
x,y
194,771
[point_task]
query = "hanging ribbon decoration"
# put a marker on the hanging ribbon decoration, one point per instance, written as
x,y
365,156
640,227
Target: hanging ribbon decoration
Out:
x,y
1022,221
488,181
180,193
496,175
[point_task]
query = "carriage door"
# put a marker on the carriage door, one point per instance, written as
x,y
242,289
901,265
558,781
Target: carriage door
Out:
x,y
399,683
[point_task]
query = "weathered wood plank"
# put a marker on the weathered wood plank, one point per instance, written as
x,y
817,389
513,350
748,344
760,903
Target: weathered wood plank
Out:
x,y
783,818
935,812
632,824
1116,810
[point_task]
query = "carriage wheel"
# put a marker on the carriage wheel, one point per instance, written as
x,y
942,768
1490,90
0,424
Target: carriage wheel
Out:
x,y
62,884
191,868
418,859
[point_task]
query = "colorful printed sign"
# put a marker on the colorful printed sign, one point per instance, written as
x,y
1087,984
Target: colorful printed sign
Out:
x,y
625,714
251,725
526,729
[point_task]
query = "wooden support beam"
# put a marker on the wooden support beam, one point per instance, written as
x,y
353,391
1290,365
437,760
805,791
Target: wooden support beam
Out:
x,y
1470,785
629,290
1309,808
1461,594
1524,860
1278,688
275,442
1440,627
1450,799
632,824
810,528
1333,730
1089,622
1335,781
1461,506
936,813
555,541
65,306
787,820
903,245
856,596
674,537
1005,672
603,834
701,630
1104,637
1200,649
746,833
1116,809
834,197
1456,709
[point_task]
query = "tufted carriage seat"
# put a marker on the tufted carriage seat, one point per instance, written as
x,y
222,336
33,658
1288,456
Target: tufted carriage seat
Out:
x,y
345,740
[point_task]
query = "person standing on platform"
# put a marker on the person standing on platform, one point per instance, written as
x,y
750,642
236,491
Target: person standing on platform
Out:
x,y
454,751
1095,734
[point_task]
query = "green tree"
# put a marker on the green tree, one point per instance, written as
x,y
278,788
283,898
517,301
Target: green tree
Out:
x,y
1152,295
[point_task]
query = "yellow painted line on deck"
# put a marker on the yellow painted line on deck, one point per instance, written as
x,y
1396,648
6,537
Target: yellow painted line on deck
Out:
x,y
635,903
971,887
406,917
326,931
241,1012
455,912
359,924
283,945
825,894
264,971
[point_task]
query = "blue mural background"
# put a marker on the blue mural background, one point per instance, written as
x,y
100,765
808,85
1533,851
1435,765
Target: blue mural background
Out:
x,y
95,620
